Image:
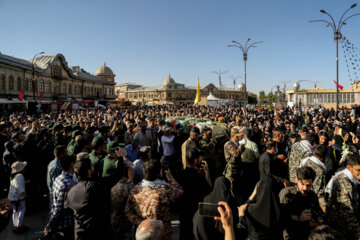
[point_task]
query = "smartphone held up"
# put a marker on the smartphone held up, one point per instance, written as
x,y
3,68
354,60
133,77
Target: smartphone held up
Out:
x,y
209,209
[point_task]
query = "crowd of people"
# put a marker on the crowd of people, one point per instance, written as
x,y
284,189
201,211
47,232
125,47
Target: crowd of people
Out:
x,y
125,174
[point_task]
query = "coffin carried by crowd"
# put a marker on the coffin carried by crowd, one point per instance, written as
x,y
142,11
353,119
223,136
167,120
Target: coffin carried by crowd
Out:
x,y
218,129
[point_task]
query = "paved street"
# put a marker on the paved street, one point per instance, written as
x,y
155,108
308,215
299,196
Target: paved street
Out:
x,y
37,221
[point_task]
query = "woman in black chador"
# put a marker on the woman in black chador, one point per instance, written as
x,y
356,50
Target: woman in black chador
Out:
x,y
261,215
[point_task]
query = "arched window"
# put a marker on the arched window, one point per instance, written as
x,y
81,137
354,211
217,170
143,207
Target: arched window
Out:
x,y
48,86
18,83
42,87
11,82
63,88
56,85
2,82
70,89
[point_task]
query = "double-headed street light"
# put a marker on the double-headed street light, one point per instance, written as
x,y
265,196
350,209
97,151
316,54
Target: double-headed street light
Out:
x,y
33,72
234,82
337,37
245,52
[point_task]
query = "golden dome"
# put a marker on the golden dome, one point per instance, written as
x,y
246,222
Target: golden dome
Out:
x,y
104,71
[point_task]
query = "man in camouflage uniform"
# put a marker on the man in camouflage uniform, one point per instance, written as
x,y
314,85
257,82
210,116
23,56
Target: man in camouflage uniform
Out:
x,y
207,145
316,163
192,142
342,211
232,152
299,151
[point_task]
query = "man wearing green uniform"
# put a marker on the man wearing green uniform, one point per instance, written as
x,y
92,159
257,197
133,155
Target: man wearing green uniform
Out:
x,y
87,143
76,144
115,153
97,155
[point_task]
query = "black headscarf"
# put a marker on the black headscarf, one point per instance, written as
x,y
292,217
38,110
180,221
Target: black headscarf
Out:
x,y
266,209
221,191
263,218
206,228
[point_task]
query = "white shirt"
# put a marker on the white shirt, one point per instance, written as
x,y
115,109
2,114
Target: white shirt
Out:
x,y
17,186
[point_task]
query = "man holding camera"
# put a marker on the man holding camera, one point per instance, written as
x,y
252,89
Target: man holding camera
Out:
x,y
301,206
196,182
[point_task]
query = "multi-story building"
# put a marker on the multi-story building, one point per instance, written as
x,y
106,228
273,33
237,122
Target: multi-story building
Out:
x,y
171,92
324,97
52,78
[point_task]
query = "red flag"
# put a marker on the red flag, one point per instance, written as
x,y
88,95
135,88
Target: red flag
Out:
x,y
21,95
41,96
338,85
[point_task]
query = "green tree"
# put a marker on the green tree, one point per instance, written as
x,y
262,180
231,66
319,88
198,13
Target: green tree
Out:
x,y
252,98
271,98
262,97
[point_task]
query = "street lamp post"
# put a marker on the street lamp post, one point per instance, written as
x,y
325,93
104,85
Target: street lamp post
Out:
x,y
33,72
283,94
337,37
219,74
234,82
245,52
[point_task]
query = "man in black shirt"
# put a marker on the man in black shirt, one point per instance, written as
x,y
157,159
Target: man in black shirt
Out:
x,y
196,186
300,205
271,165
86,199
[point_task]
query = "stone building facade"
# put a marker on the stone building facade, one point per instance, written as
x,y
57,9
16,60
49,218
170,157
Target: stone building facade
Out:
x,y
324,97
51,77
171,92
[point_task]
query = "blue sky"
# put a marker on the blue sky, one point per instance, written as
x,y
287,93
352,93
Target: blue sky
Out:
x,y
143,41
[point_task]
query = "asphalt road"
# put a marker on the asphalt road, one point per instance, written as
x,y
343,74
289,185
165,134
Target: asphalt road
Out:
x,y
37,221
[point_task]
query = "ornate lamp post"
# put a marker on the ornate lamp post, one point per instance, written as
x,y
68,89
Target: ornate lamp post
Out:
x,y
33,72
337,37
234,82
219,74
244,50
